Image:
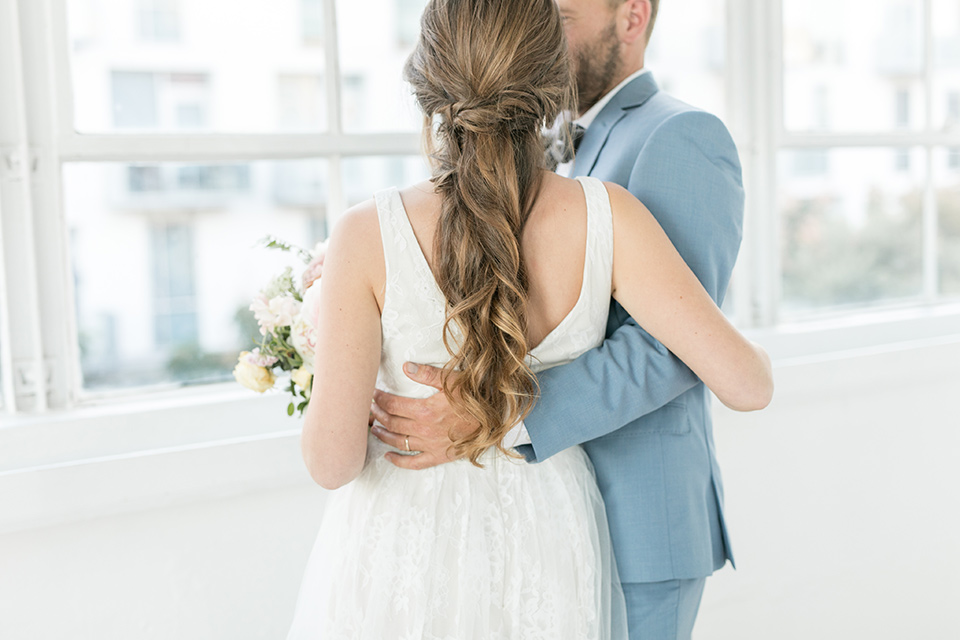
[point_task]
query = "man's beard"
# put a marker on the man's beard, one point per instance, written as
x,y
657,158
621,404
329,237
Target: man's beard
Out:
x,y
597,66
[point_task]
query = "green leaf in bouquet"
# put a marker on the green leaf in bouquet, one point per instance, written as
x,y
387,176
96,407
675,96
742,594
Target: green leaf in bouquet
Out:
x,y
273,242
290,409
283,284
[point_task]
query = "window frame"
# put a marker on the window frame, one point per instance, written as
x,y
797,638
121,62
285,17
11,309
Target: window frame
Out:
x,y
776,137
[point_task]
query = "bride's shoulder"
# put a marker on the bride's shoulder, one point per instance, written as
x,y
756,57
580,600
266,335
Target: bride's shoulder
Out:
x,y
358,223
557,183
623,203
355,242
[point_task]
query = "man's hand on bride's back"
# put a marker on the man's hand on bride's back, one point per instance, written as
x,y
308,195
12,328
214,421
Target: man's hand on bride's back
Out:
x,y
426,424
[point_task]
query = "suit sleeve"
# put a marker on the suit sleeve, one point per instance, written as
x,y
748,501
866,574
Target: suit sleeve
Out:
x,y
688,175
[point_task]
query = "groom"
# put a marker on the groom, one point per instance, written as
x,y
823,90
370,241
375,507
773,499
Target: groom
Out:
x,y
640,414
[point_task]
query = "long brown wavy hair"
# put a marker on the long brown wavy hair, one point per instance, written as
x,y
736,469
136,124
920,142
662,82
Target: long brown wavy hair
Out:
x,y
488,75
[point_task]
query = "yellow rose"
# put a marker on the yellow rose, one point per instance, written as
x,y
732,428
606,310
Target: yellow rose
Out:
x,y
302,378
251,376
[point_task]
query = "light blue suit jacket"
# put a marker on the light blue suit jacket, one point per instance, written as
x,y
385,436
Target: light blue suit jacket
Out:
x,y
641,414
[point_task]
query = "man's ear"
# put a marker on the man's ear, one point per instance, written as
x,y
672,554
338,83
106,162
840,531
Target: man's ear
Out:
x,y
633,17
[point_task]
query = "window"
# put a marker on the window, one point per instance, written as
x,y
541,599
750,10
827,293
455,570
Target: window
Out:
x,y
174,294
167,145
211,80
159,20
687,53
165,261
850,237
945,64
953,158
164,101
863,53
408,21
302,102
2,388
953,109
860,230
902,108
947,190
375,98
311,22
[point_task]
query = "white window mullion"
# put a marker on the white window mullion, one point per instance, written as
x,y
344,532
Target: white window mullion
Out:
x,y
931,275
931,269
773,29
766,122
59,43
10,131
23,348
880,139
54,275
740,84
226,147
335,198
69,385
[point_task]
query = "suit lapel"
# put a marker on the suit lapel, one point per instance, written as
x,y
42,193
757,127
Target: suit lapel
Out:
x,y
638,91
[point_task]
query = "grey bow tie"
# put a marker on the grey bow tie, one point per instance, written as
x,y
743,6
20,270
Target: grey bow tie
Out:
x,y
559,152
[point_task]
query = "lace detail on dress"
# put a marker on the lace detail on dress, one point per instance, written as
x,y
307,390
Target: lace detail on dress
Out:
x,y
511,551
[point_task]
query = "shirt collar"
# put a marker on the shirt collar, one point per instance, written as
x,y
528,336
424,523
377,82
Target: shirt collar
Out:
x,y
587,118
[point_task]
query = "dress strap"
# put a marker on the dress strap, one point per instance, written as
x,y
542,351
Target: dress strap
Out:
x,y
598,271
403,257
393,233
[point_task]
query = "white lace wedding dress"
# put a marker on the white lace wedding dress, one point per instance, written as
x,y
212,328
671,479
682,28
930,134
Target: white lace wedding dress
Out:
x,y
510,551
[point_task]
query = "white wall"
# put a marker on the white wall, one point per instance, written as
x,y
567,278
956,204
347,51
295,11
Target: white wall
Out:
x,y
843,498
844,503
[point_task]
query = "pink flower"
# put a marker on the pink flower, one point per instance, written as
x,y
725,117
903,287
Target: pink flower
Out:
x,y
259,360
303,337
314,270
303,333
275,312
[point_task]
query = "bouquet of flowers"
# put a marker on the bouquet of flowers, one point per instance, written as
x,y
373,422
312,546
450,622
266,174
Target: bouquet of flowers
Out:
x,y
286,311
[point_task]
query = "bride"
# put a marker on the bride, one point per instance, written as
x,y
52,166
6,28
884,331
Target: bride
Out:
x,y
494,269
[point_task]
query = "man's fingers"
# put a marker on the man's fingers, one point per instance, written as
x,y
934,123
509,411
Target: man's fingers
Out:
x,y
424,374
396,405
391,422
422,461
397,440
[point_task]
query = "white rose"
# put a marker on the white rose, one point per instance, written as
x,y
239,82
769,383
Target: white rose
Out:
x,y
303,337
278,311
311,304
285,309
251,376
261,311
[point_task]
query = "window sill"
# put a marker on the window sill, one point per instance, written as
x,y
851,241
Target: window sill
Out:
x,y
197,444
857,334
129,456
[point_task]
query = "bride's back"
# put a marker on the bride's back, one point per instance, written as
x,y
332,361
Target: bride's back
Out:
x,y
553,247
488,75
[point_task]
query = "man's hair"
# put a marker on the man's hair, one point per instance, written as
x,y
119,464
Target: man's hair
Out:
x,y
654,7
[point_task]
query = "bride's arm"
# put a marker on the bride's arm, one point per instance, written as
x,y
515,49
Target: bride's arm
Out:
x,y
334,440
662,294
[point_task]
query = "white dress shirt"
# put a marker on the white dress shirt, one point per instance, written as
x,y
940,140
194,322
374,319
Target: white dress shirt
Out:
x,y
518,434
587,118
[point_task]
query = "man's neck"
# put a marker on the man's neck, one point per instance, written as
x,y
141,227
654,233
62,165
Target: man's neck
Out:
x,y
625,73
587,117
